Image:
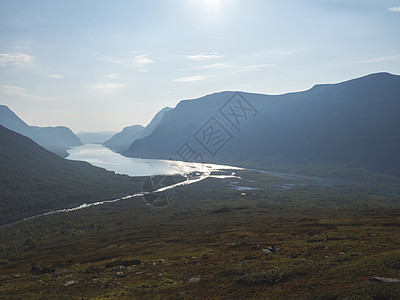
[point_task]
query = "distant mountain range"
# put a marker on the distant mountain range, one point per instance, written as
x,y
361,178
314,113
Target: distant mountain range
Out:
x,y
95,137
34,180
121,141
354,124
55,139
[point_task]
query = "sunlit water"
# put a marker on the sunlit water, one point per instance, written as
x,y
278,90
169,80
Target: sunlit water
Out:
x,y
103,157
100,156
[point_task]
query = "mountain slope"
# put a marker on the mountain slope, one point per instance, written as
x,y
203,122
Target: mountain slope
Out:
x,y
34,180
351,124
55,139
121,141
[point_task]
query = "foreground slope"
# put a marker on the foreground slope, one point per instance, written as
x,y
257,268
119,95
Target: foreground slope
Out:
x,y
308,242
353,124
34,180
55,139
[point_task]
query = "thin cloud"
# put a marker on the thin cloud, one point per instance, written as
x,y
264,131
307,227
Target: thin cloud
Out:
x,y
396,8
191,78
211,66
55,76
138,62
15,59
112,76
13,90
108,88
256,67
203,56
289,51
381,59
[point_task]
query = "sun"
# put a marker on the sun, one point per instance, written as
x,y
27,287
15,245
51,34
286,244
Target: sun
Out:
x,y
209,12
211,4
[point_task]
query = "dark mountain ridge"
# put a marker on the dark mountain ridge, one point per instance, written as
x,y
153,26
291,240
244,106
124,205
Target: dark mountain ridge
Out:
x,y
352,124
55,139
121,141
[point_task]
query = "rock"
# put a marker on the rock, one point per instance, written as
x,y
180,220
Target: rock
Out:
x,y
293,255
341,253
303,259
323,247
68,283
139,273
382,279
16,276
194,279
161,261
266,251
120,274
205,256
273,248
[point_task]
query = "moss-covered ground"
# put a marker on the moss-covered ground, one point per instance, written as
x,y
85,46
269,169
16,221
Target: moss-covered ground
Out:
x,y
212,241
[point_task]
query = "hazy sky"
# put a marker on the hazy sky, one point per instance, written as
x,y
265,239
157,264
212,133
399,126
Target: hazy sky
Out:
x,y
102,65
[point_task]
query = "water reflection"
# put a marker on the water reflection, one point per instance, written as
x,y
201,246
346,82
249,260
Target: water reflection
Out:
x,y
100,156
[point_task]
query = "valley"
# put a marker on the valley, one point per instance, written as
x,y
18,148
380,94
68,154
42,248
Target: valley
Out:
x,y
307,242
207,149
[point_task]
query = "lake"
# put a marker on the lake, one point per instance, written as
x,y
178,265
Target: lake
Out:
x,y
102,157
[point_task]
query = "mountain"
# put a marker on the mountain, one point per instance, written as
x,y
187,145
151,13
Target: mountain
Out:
x,y
352,124
95,137
34,180
56,139
121,141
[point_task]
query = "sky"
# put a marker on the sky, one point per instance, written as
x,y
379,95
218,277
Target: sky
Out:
x,y
99,65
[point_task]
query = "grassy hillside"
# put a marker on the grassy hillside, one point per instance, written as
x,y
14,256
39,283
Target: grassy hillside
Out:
x,y
212,242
